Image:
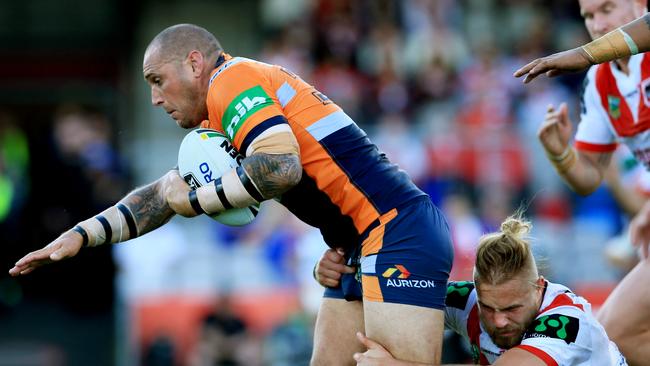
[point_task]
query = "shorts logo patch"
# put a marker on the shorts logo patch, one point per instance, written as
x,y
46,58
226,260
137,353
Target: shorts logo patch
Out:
x,y
397,271
242,107
458,294
558,326
397,276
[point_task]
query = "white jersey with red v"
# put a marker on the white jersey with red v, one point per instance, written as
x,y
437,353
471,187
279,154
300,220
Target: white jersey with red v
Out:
x,y
616,109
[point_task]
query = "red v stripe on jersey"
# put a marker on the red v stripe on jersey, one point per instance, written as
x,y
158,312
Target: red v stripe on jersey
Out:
x,y
474,333
621,117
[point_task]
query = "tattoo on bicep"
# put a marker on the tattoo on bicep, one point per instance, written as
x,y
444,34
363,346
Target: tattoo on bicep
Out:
x,y
149,208
273,174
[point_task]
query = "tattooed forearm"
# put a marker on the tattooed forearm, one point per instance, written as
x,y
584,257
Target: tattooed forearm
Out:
x,y
273,174
149,208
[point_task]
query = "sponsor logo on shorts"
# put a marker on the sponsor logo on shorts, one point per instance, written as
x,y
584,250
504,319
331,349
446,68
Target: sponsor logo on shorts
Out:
x,y
398,271
242,107
397,276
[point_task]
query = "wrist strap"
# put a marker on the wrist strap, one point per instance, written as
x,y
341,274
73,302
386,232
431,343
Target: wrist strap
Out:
x,y
83,233
194,201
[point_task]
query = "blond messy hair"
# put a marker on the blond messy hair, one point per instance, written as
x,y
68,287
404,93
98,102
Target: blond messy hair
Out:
x,y
504,255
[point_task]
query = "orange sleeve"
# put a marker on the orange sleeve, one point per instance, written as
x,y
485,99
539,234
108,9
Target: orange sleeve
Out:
x,y
240,99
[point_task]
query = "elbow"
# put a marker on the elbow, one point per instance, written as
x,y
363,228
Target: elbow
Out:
x,y
273,174
292,171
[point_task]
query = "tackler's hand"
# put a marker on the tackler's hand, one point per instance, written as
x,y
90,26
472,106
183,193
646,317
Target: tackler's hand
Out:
x,y
376,354
330,267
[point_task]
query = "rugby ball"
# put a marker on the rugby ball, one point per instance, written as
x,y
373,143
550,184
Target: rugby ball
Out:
x,y
204,156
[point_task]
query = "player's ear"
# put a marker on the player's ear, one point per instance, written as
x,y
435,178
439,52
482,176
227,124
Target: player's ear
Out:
x,y
195,59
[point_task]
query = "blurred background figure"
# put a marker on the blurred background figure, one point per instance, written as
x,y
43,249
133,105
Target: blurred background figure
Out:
x,y
429,80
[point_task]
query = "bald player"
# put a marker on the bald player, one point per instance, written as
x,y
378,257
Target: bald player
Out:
x,y
303,150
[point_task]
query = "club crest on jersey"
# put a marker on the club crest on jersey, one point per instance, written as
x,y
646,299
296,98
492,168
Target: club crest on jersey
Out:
x,y
458,294
614,106
558,326
242,107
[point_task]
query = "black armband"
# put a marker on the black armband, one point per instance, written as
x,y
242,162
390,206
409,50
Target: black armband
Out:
x,y
83,233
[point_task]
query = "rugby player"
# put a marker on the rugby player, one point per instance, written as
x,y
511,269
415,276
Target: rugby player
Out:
x,y
616,109
303,150
509,314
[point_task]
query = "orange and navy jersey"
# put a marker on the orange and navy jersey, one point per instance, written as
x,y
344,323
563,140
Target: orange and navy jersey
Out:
x,y
347,183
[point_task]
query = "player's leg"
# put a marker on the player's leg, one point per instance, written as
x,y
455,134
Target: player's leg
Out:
x,y
405,265
409,332
335,334
626,315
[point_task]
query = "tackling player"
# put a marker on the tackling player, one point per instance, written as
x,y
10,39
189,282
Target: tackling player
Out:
x,y
616,110
510,315
302,149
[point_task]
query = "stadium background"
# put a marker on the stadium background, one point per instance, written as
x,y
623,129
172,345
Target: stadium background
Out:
x,y
430,81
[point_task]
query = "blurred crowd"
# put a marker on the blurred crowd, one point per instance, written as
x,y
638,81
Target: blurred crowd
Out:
x,y
430,81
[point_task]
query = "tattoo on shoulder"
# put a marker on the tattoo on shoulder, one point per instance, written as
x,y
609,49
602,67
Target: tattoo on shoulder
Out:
x,y
149,208
273,174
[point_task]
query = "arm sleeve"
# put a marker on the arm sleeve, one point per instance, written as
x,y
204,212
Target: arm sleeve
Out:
x,y
241,101
461,297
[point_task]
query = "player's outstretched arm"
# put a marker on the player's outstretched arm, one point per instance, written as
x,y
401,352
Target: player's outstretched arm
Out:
x,y
573,60
625,41
139,212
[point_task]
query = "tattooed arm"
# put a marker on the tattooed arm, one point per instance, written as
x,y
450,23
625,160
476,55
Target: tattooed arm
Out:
x,y
140,212
262,176
148,204
273,174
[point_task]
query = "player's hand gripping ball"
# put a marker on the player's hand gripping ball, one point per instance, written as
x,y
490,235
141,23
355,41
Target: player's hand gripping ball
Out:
x,y
204,155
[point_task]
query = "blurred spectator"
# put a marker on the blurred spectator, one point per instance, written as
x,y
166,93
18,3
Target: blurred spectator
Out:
x,y
225,341
14,174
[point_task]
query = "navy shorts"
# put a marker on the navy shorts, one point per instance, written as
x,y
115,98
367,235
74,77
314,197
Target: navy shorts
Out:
x,y
405,258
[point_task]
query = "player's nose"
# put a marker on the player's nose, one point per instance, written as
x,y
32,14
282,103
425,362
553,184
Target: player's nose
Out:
x,y
500,320
156,98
